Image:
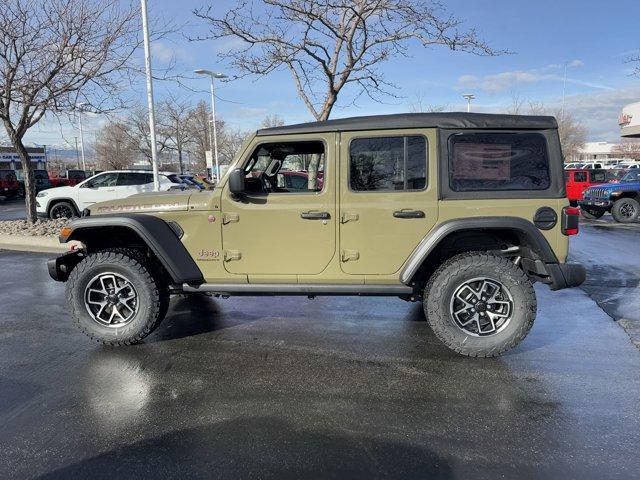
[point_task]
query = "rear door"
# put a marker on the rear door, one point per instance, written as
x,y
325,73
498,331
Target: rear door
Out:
x,y
388,197
130,183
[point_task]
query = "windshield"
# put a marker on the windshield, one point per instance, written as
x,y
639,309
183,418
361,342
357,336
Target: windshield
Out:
x,y
632,176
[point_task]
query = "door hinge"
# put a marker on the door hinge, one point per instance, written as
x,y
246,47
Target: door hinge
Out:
x,y
230,218
349,217
349,255
230,255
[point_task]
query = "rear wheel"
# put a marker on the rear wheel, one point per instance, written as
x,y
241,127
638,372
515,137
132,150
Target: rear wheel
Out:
x,y
592,213
480,304
115,298
625,210
62,210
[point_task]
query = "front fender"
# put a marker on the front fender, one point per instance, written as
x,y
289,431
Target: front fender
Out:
x,y
154,232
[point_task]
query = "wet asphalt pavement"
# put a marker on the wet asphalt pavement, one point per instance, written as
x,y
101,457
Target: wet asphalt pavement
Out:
x,y
12,209
295,388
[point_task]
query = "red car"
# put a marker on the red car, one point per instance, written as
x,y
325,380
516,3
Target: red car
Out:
x,y
71,178
9,185
578,181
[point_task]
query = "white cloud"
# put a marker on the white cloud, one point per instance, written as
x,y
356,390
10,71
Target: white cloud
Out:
x,y
166,54
500,82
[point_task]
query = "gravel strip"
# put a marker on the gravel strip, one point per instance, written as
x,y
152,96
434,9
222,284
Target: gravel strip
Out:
x,y
48,228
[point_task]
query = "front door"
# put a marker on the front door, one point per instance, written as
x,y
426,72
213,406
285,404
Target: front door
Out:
x,y
388,197
280,226
100,188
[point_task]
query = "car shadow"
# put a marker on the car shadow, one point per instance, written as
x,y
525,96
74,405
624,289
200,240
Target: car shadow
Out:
x,y
262,447
193,315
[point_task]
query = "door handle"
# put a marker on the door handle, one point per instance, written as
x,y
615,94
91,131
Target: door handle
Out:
x,y
315,215
408,214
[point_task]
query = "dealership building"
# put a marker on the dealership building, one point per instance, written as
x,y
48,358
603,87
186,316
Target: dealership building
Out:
x,y
10,160
630,121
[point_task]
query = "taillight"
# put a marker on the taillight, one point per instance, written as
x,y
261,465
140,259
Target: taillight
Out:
x,y
570,220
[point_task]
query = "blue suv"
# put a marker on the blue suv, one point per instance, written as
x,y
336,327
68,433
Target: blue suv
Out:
x,y
621,199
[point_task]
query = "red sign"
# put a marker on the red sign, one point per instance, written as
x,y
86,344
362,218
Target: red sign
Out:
x,y
624,119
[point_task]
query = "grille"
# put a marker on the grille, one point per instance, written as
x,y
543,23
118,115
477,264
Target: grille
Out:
x,y
598,192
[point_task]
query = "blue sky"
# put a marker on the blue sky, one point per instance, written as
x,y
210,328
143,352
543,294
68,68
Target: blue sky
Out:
x,y
594,37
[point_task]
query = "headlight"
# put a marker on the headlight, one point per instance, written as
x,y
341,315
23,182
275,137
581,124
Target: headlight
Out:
x,y
41,194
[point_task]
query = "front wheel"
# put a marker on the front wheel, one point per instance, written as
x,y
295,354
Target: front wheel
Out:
x,y
479,304
62,210
625,210
115,298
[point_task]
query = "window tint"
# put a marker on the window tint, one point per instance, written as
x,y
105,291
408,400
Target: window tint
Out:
x,y
103,180
498,161
129,178
388,163
598,176
580,176
286,167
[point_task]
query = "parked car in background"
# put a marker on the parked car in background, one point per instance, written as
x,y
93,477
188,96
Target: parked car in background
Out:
x,y
577,181
186,182
67,202
621,199
9,185
40,180
68,178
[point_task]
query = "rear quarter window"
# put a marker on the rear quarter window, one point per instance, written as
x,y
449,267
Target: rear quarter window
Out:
x,y
498,161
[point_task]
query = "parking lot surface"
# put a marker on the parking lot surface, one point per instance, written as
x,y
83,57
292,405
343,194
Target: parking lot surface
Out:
x,y
12,209
326,388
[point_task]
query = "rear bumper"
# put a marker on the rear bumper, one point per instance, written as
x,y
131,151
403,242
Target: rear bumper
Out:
x,y
556,275
566,275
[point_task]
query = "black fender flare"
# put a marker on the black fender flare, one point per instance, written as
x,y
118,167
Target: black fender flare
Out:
x,y
157,234
432,240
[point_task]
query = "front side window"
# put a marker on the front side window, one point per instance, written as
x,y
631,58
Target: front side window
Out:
x,y
388,164
103,180
498,161
287,167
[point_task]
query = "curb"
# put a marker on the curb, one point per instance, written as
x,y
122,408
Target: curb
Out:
x,y
34,243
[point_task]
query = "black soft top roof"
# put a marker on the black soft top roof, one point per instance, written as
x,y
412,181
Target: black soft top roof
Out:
x,y
457,120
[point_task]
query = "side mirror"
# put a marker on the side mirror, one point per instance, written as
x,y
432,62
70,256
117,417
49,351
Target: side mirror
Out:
x,y
236,181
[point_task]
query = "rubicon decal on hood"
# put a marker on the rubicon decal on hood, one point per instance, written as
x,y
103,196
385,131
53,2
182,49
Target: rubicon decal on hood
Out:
x,y
139,207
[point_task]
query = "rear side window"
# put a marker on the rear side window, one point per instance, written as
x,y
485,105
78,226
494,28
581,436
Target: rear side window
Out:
x,y
498,161
130,178
388,163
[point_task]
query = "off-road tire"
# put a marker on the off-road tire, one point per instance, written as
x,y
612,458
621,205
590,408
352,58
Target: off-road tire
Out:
x,y
150,311
464,267
592,213
619,207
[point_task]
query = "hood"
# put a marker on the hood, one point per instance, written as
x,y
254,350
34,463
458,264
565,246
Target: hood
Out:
x,y
612,187
144,203
60,191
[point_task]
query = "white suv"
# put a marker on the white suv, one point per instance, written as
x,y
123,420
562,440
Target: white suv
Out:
x,y
67,202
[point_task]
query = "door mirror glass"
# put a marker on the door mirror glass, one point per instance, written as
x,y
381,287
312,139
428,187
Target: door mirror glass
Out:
x,y
236,182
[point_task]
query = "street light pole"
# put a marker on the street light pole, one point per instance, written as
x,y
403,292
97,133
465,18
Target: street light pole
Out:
x,y
80,106
152,114
469,97
213,133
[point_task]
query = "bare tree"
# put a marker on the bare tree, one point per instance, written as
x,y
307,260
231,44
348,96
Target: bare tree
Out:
x,y
114,148
229,140
517,104
56,53
329,44
421,106
573,133
174,127
272,121
628,149
137,122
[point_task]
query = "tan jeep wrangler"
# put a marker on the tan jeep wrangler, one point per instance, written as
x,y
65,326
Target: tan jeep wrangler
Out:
x,y
463,212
